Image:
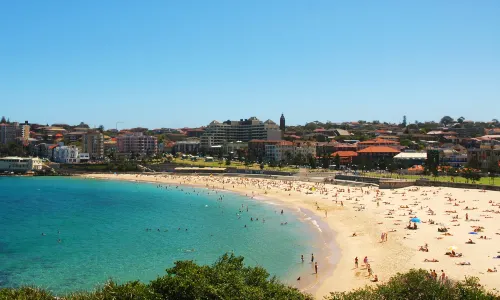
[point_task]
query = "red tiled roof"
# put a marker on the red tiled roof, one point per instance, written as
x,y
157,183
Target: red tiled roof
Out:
x,y
378,141
345,154
379,149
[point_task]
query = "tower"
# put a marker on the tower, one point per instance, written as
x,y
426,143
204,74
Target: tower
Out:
x,y
282,125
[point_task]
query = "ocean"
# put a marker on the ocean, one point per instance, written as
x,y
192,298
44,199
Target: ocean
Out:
x,y
69,234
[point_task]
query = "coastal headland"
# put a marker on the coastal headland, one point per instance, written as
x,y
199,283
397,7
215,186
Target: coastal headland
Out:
x,y
372,223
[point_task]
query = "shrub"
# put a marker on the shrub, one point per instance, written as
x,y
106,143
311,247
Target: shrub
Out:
x,y
418,285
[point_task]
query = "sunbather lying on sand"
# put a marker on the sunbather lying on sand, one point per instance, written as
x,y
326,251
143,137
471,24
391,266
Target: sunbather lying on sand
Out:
x,y
492,271
463,263
431,260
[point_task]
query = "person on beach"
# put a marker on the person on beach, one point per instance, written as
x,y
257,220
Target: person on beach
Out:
x,y
356,262
302,257
316,267
312,257
365,260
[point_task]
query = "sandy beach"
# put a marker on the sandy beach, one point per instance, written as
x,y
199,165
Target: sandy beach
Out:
x,y
465,222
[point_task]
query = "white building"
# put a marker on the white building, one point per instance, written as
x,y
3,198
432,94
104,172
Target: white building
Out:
x,y
277,152
66,154
306,149
217,133
20,164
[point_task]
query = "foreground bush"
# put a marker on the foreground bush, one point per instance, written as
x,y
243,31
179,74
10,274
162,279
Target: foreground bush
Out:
x,y
228,278
418,285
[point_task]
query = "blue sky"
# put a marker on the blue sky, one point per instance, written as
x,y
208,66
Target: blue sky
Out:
x,y
185,63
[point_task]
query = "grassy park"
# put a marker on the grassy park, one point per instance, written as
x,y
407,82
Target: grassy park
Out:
x,y
457,179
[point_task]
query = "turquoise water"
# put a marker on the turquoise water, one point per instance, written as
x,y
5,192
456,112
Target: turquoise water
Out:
x,y
102,225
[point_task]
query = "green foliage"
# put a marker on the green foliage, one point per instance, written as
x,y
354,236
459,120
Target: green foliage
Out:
x,y
446,120
25,293
325,161
311,161
337,161
418,285
12,149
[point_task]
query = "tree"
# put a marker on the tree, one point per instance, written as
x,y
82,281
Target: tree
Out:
x,y
272,163
404,122
3,121
337,161
288,157
446,120
298,159
312,161
461,120
325,161
101,128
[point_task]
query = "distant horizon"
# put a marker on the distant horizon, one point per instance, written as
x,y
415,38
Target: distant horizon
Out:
x,y
122,126
173,64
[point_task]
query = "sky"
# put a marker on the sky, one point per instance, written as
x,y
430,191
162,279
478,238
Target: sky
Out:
x,y
185,63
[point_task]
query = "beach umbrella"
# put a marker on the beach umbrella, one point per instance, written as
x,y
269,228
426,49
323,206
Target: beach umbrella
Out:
x,y
452,248
415,220
472,232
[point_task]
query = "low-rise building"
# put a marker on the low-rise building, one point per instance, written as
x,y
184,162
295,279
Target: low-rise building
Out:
x,y
20,164
189,146
378,152
379,142
346,157
65,154
137,143
409,159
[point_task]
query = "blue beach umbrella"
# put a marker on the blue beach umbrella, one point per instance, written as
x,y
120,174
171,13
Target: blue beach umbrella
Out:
x,y
415,220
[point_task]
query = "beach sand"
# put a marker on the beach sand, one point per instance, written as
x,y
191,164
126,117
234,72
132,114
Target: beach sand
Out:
x,y
369,212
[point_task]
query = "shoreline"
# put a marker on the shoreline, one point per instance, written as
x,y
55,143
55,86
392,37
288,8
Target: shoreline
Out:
x,y
307,285
336,267
368,212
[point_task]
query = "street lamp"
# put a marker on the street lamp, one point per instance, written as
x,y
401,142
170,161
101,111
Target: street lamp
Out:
x,y
116,125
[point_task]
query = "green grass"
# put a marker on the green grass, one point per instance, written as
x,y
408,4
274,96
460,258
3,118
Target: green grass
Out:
x,y
457,179
234,164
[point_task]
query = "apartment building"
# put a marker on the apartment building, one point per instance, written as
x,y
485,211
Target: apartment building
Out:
x,y
278,151
485,156
14,132
217,133
93,144
137,143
